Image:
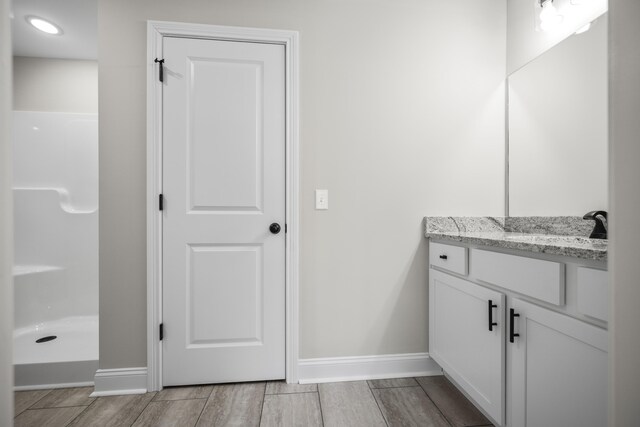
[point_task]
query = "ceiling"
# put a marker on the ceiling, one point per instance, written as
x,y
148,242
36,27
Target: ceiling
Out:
x,y
77,18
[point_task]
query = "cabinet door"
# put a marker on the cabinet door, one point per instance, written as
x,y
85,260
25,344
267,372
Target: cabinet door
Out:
x,y
461,342
557,370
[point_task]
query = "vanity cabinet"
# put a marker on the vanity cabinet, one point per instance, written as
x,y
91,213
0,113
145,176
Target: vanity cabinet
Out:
x,y
512,333
557,369
467,338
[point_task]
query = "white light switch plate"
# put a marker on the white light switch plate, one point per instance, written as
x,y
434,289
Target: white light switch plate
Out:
x,y
322,199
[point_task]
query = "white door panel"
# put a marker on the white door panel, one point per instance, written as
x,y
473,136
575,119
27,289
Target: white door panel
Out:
x,y
225,176
225,282
224,184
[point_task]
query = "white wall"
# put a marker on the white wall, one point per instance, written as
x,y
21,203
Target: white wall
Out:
x,y
525,41
6,212
624,370
402,107
55,85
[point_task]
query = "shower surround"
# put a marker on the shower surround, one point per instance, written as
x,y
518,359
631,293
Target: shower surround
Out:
x,y
56,248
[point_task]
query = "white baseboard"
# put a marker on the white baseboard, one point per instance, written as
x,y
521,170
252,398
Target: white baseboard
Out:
x,y
335,369
112,382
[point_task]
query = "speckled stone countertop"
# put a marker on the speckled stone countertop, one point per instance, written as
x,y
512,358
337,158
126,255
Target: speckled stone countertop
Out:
x,y
567,236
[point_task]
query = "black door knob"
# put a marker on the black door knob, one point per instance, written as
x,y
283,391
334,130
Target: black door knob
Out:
x,y
274,228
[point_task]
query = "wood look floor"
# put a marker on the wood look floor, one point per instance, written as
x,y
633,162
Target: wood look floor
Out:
x,y
424,401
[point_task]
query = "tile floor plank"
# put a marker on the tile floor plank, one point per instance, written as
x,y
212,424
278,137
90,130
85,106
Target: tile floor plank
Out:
x,y
62,397
397,402
408,406
453,404
281,387
114,411
393,382
24,399
50,417
171,413
291,410
349,404
234,405
184,393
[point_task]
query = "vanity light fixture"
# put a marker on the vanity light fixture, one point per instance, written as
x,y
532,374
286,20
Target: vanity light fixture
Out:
x,y
43,25
549,16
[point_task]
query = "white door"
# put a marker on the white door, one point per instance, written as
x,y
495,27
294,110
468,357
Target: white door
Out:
x,y
463,342
223,186
557,370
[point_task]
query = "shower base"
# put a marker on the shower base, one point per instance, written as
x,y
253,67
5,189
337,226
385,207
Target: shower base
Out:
x,y
71,359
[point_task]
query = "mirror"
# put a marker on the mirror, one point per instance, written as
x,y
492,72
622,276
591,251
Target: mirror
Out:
x,y
558,115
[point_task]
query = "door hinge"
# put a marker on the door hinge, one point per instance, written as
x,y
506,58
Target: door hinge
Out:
x,y
285,228
161,331
160,71
161,202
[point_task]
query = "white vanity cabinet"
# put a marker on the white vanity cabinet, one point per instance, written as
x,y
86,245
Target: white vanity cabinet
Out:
x,y
464,343
543,363
557,369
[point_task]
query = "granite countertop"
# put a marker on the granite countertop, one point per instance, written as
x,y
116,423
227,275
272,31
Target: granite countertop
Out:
x,y
565,236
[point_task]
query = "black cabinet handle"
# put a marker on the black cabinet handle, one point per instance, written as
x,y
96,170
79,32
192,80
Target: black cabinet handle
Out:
x,y
491,322
512,317
443,257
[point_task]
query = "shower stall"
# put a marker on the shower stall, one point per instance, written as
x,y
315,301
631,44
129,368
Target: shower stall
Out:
x,y
56,248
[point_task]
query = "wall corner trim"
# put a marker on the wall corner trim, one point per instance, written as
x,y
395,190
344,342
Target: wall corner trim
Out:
x,y
113,382
336,369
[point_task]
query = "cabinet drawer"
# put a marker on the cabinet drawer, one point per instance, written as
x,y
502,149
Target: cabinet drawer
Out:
x,y
448,257
593,293
540,279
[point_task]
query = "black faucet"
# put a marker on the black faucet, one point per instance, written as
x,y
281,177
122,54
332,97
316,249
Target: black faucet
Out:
x,y
600,229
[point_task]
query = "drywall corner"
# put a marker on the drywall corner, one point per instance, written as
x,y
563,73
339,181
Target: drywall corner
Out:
x,y
6,212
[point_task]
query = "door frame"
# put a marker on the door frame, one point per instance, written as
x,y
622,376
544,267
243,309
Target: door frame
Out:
x,y
156,31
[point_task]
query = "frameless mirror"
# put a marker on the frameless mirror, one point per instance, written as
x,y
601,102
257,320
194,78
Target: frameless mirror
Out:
x,y
558,129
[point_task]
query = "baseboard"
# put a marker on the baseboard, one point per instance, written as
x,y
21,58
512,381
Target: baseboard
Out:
x,y
112,382
335,369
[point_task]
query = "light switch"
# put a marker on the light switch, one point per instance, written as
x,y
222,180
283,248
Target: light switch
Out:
x,y
322,199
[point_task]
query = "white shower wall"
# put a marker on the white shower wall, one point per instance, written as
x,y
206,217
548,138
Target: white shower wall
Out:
x,y
58,150
56,239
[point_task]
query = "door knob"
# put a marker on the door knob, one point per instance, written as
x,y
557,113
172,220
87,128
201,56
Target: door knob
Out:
x,y
274,228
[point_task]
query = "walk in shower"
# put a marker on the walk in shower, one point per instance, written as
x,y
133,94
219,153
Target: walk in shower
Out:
x,y
56,248
55,191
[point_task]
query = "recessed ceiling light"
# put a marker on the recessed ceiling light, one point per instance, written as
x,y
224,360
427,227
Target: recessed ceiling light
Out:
x,y
44,25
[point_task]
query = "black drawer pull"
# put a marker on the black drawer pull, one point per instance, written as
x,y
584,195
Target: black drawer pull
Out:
x,y
443,257
512,317
491,322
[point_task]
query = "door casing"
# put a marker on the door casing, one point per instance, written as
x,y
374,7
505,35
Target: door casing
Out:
x,y
156,31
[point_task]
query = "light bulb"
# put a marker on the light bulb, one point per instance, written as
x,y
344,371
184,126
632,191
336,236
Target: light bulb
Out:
x,y
548,11
549,17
